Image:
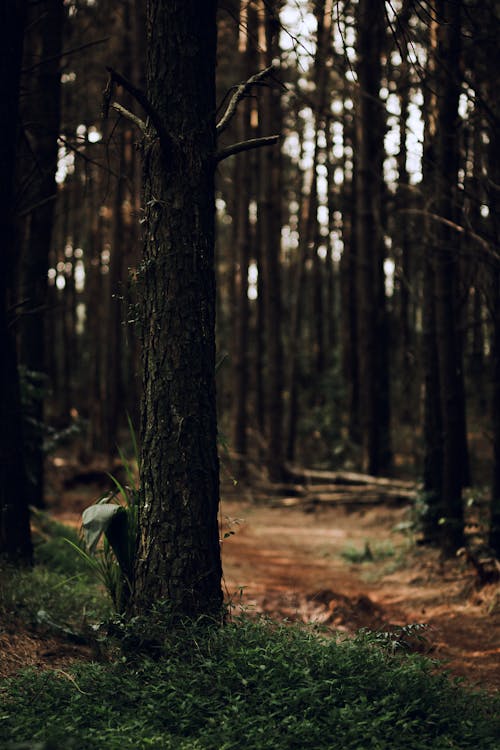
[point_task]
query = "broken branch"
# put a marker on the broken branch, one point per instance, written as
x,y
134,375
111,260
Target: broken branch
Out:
x,y
238,95
139,96
237,148
130,116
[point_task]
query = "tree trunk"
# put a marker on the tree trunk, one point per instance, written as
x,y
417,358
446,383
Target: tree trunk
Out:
x,y
348,287
270,216
178,550
43,101
242,189
494,219
372,324
113,382
445,270
15,540
432,424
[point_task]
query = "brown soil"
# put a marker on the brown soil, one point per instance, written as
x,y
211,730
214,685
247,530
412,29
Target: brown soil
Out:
x,y
289,564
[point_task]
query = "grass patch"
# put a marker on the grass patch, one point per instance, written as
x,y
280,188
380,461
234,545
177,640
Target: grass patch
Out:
x,y
252,685
60,585
370,552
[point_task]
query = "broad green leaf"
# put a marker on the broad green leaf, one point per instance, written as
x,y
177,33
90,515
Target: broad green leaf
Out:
x,y
95,522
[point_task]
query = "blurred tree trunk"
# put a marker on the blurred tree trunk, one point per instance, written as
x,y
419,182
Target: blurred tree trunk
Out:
x,y
493,193
15,540
432,421
308,243
178,550
270,211
113,382
307,221
372,324
324,13
260,318
404,234
445,258
43,100
494,534
242,190
333,280
348,277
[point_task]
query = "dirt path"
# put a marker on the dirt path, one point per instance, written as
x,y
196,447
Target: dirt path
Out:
x,y
296,565
292,564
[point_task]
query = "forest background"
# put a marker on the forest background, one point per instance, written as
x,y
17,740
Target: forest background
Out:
x,y
358,306
355,158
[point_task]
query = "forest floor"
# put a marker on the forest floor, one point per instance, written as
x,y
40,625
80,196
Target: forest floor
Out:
x,y
342,568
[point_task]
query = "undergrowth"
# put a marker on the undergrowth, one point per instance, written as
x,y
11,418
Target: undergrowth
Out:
x,y
368,553
252,685
60,589
256,685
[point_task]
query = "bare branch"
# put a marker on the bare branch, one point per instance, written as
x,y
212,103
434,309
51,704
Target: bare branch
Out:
x,y
238,95
64,53
237,148
130,116
139,96
490,249
78,152
26,211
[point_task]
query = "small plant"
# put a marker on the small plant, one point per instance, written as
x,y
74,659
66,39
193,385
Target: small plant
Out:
x,y
403,638
113,518
369,553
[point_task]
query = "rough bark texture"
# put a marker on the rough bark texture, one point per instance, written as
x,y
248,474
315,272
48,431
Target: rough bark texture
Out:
x,y
178,553
15,541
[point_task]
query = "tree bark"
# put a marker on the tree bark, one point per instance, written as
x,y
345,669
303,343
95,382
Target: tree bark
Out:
x,y
15,540
270,216
242,189
178,550
445,259
432,422
43,99
372,324
494,220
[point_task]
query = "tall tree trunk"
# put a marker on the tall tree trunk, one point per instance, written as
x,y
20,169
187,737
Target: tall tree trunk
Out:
x,y
113,381
270,216
242,189
44,114
348,286
494,220
15,540
445,271
372,324
432,422
309,241
408,383
178,550
309,205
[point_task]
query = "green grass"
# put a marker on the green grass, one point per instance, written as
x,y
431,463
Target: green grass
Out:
x,y
249,685
370,552
61,584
